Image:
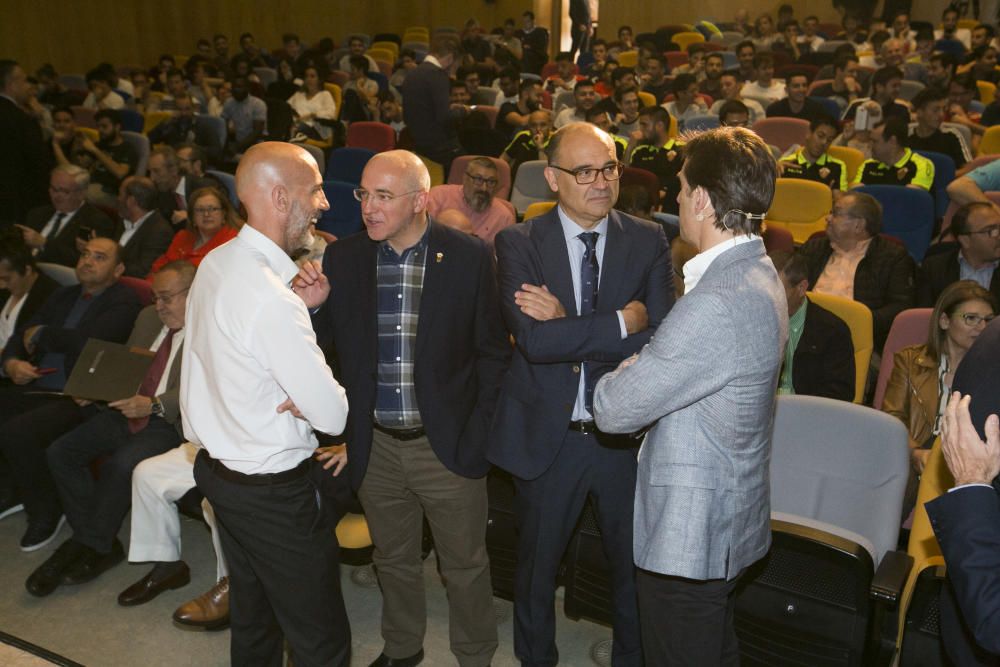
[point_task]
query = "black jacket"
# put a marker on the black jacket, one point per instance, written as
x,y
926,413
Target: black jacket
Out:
x,y
940,270
149,242
25,162
62,248
823,364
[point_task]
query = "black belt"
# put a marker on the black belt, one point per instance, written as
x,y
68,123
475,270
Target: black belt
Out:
x,y
588,427
263,479
403,434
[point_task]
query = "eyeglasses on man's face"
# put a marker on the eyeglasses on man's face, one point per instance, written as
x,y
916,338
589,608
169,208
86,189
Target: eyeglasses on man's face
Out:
x,y
993,231
587,175
380,197
479,181
167,299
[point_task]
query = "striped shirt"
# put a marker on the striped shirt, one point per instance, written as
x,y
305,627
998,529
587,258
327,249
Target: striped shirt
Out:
x,y
400,282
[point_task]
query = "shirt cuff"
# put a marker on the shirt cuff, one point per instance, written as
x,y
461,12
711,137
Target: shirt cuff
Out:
x,y
621,325
966,486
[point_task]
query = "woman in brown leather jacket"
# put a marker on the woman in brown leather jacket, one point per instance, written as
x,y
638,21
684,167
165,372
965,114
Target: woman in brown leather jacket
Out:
x,y
922,374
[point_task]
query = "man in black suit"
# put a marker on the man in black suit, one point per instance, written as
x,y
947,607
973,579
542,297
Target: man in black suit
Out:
x,y
142,233
39,358
819,358
58,230
174,185
966,520
24,158
23,290
976,257
582,288
427,109
411,310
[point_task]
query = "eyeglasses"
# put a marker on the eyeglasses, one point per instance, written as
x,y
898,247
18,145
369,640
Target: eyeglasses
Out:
x,y
63,191
839,212
993,231
587,175
479,181
973,319
207,210
168,299
364,196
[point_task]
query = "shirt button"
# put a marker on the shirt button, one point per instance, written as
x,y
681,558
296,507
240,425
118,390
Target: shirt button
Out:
x,y
398,327
397,359
399,296
576,369
397,390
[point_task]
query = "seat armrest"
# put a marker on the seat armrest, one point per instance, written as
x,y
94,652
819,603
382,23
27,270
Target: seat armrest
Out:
x,y
891,576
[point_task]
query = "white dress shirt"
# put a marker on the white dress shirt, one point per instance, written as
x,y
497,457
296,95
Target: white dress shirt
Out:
x,y
251,346
695,267
49,231
8,317
575,249
131,228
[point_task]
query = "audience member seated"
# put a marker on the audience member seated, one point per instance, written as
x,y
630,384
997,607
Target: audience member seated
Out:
x,y
962,92
211,221
356,49
686,103
810,37
458,94
67,143
586,98
127,431
928,135
476,47
529,144
180,128
972,186
627,119
535,42
746,52
812,162
599,117
894,55
789,44
940,70
949,27
563,79
819,356
976,226
854,262
658,153
731,91
598,58
257,56
314,104
475,199
176,87
657,84
922,375
390,112
508,81
245,117
111,160
695,66
859,135
514,117
192,161
23,290
507,48
478,94
711,84
982,64
844,88
38,359
102,94
174,185
56,232
765,89
143,233
361,93
797,104
764,35
734,113
886,84
892,163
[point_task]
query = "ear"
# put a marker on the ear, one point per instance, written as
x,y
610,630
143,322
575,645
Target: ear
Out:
x,y
420,202
119,270
550,178
280,199
802,288
944,322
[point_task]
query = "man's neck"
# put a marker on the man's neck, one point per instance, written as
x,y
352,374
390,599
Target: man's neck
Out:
x,y
924,131
974,262
796,106
896,157
809,156
412,236
764,84
848,244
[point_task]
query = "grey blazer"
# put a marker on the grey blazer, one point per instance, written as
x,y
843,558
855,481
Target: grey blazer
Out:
x,y
706,383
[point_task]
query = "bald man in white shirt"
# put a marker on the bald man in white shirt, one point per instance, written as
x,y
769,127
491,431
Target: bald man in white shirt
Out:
x,y
255,385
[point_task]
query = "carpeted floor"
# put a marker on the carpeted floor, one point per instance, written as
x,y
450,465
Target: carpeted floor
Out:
x,y
86,625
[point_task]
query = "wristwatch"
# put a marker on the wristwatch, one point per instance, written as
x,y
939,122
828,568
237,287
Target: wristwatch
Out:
x,y
156,408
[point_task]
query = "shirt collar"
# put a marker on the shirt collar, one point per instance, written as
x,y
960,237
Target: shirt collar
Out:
x,y
800,157
861,248
433,61
276,258
180,187
134,225
389,251
571,229
964,263
799,316
695,267
907,154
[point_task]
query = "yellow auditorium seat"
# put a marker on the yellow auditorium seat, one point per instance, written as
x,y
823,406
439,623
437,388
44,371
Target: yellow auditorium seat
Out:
x,y
800,206
381,55
628,58
683,39
990,143
858,318
435,170
154,118
987,91
538,208
647,99
337,95
852,157
388,46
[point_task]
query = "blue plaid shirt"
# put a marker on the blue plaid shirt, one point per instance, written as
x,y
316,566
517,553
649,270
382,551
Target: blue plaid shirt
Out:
x,y
400,282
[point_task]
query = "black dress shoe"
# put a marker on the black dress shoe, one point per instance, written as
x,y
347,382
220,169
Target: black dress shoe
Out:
x,y
40,532
385,661
92,564
49,574
149,587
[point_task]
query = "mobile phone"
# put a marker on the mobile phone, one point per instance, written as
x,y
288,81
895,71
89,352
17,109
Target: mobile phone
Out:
x,y
861,119
47,371
84,233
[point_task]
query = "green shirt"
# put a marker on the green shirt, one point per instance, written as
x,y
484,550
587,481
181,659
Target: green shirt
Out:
x,y
796,323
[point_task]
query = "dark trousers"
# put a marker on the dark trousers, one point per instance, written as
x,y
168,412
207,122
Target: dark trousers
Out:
x,y
283,571
95,509
687,622
28,424
548,509
580,39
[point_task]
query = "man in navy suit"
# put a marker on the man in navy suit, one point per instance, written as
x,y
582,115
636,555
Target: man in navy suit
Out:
x,y
411,310
582,288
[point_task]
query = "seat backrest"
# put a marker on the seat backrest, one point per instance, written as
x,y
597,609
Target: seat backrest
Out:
x,y
990,143
346,164
840,464
683,39
676,59
530,186
490,112
563,99
909,89
858,319
538,208
457,173
132,120
153,119
84,116
647,99
782,132
343,218
645,178
799,206
318,155
384,55
907,214
852,157
141,145
435,169
944,173
987,91
935,480
374,136
73,81
830,106
816,84
267,75
630,58
143,289
908,328
64,275
227,180
961,129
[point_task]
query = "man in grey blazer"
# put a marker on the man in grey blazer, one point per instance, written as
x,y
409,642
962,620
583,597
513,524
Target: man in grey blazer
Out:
x,y
705,386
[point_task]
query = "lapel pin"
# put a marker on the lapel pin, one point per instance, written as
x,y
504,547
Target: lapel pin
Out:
x,y
439,257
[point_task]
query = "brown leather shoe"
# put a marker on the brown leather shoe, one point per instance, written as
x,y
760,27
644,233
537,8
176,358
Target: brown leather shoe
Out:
x,y
210,610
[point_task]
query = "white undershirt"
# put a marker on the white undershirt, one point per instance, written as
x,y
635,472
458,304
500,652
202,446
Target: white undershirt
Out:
x,y
695,267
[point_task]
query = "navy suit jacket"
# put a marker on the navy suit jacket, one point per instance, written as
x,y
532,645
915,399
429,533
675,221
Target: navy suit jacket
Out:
x,y
110,317
540,389
461,348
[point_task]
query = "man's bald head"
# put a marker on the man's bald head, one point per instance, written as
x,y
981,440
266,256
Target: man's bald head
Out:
x,y
409,168
282,190
574,132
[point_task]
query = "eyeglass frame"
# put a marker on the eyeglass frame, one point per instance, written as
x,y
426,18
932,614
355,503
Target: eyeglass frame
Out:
x,y
992,231
169,298
575,173
208,210
479,181
977,317
360,194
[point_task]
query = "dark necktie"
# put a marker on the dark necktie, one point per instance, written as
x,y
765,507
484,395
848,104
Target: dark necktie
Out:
x,y
52,230
152,379
590,273
179,201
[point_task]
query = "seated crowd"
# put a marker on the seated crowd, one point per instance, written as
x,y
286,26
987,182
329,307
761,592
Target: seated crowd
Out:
x,y
119,223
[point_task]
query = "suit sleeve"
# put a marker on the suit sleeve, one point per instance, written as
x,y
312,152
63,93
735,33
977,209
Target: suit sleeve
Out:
x,y
659,295
493,349
967,525
112,323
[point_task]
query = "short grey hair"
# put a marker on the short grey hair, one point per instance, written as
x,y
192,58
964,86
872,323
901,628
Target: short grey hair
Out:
x,y
79,175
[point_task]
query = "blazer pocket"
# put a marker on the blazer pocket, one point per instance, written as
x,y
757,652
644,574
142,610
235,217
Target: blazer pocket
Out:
x,y
683,474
